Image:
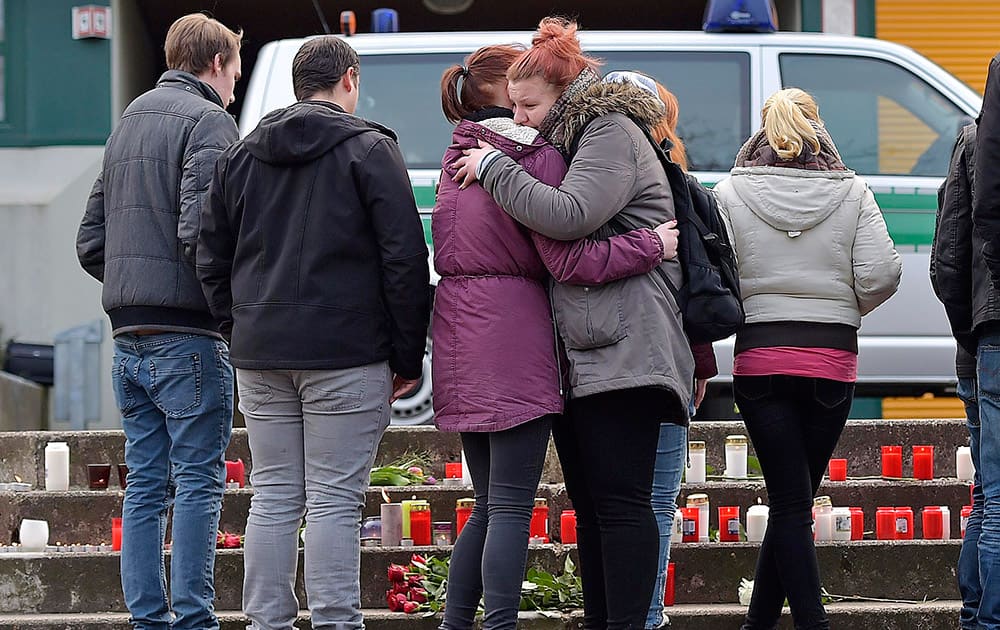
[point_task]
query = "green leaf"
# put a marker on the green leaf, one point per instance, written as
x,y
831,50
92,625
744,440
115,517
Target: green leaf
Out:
x,y
568,565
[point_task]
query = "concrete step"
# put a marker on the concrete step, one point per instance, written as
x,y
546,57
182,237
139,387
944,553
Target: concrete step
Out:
x,y
84,516
939,615
705,573
22,453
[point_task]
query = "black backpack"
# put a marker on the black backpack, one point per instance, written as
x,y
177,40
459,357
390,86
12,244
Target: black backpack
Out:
x,y
710,298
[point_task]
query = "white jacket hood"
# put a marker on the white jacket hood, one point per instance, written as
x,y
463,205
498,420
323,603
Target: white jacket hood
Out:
x,y
792,200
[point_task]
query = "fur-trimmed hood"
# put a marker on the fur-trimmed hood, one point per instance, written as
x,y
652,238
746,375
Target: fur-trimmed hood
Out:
x,y
605,98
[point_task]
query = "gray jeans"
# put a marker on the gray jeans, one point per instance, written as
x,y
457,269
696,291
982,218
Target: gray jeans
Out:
x,y
313,436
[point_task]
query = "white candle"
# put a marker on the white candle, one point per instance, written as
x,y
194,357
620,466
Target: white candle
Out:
x,y
945,522
822,518
34,534
700,501
736,457
841,523
677,534
695,472
57,466
964,469
756,522
392,524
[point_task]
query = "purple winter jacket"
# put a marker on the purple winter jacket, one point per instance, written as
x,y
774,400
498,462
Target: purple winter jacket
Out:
x,y
495,359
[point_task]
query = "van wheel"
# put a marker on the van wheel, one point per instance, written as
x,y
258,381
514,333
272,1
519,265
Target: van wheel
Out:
x,y
417,407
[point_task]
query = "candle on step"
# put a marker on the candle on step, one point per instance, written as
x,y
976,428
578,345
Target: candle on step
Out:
x,y
668,591
695,473
923,462
690,515
838,470
756,522
392,524
904,523
964,469
729,523
857,523
933,522
539,524
57,466
885,523
420,523
463,510
567,527
736,456
116,534
966,513
842,518
407,506
945,523
700,501
892,461
822,518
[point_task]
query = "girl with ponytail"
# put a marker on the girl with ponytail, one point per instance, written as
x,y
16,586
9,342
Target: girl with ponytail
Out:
x,y
496,366
630,364
814,256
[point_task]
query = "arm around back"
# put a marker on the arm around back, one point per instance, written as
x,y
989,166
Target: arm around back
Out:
x,y
387,195
600,182
877,265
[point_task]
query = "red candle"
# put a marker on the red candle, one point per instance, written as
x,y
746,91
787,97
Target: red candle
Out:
x,y
463,510
892,461
420,524
838,470
668,591
729,523
236,472
904,523
885,523
689,524
539,527
116,534
966,513
453,470
933,522
923,462
857,523
567,526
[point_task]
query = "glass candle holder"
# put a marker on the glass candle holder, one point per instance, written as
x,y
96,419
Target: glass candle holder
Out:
x,y
99,475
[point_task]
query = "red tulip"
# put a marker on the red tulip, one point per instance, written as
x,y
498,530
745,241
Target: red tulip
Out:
x,y
415,579
231,541
410,607
400,587
418,559
390,600
418,594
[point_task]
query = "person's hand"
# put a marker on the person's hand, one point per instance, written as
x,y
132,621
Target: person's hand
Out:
x,y
401,387
468,164
668,234
700,387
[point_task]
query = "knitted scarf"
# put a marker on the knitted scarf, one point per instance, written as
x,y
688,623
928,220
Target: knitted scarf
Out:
x,y
553,126
757,152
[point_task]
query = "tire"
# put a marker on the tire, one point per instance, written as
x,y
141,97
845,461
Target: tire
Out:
x,y
417,407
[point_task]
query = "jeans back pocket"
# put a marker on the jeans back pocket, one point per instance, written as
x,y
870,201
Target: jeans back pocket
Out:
x,y
176,384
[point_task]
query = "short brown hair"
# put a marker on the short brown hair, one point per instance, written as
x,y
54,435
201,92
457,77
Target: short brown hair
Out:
x,y
320,63
194,40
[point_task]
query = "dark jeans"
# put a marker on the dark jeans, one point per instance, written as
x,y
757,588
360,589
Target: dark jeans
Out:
x,y
607,447
490,554
794,423
969,584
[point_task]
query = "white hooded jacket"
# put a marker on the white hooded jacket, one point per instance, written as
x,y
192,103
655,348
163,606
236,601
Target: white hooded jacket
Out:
x,y
811,246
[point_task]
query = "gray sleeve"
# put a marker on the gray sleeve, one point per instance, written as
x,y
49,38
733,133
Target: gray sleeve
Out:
x,y
600,182
90,237
212,135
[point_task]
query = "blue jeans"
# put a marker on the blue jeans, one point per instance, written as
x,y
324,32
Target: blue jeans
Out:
x,y
968,560
175,393
988,371
670,451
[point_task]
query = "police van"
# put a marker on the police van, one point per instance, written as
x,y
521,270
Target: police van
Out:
x,y
893,114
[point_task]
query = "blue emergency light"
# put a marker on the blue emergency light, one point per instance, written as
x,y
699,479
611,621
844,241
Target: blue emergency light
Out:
x,y
385,21
748,16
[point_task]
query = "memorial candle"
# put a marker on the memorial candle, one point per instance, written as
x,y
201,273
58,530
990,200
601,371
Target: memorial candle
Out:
x,y
892,461
923,462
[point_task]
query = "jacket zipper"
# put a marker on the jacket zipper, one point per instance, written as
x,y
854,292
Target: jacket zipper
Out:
x,y
555,341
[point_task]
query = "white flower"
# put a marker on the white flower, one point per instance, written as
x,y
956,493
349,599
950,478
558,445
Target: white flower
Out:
x,y
745,591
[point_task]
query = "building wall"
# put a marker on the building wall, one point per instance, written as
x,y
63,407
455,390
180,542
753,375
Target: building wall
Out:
x,y
959,35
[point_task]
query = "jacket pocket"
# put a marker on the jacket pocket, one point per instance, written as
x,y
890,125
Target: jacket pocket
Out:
x,y
589,317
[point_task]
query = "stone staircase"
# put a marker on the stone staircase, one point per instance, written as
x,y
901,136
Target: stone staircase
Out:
x,y
82,589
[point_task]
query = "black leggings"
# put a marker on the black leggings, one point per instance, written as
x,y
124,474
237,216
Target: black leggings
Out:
x,y
794,423
491,552
607,448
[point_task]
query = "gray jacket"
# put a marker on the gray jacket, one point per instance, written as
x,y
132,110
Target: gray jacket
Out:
x,y
141,223
627,333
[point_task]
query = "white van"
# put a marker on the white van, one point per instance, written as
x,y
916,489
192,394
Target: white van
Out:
x,y
893,113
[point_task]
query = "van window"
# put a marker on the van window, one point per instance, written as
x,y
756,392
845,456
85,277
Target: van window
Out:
x,y
883,118
403,92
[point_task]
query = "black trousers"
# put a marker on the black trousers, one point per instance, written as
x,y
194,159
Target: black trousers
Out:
x,y
794,423
490,554
607,448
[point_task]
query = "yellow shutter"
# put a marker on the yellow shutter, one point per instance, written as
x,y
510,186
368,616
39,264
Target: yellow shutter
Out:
x,y
959,35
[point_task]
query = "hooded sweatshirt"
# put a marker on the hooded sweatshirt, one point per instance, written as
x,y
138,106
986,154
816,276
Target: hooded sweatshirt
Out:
x,y
312,251
813,251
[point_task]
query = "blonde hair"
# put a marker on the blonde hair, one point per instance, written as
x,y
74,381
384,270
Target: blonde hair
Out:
x,y
194,40
786,120
667,127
